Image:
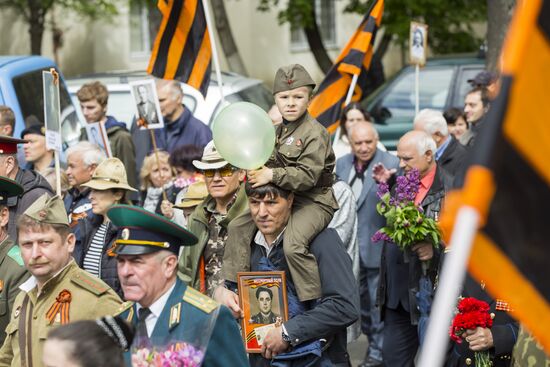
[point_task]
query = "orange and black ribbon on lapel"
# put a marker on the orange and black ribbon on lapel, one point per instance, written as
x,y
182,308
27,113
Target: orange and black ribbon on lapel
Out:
x,y
61,307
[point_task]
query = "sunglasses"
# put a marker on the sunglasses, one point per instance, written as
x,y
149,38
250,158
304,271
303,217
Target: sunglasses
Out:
x,y
224,171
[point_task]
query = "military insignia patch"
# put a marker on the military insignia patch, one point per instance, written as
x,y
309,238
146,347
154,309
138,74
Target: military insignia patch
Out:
x,y
125,234
289,141
17,312
175,313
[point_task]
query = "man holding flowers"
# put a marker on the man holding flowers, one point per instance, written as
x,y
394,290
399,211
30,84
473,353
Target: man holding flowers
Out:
x,y
402,267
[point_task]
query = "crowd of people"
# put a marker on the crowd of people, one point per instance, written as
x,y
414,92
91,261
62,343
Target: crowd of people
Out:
x,y
143,249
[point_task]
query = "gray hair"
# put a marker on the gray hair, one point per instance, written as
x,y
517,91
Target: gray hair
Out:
x,y
425,142
432,122
90,153
364,124
175,87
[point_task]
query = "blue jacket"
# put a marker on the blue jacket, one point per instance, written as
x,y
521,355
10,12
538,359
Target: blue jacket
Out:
x,y
185,130
368,219
184,318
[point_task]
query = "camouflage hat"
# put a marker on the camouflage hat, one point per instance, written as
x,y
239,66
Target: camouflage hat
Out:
x,y
8,188
48,209
195,194
291,77
109,174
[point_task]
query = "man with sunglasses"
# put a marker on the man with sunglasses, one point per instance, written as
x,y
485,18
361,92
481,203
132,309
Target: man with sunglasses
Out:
x,y
200,265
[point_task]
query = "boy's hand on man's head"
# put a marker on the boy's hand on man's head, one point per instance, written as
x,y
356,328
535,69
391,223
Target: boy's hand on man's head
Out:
x,y
260,177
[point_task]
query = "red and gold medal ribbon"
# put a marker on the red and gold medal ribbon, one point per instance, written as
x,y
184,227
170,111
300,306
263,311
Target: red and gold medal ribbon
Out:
x,y
61,307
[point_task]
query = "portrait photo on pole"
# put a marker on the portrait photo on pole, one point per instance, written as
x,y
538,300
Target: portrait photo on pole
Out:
x,y
51,111
418,43
97,134
263,300
147,104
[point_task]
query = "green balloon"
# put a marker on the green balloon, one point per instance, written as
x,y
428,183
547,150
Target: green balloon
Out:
x,y
244,135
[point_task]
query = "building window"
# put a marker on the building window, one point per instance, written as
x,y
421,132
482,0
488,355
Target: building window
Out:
x,y
326,21
144,24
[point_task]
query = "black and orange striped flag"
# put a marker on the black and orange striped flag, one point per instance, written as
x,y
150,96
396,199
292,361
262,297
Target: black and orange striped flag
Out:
x,y
509,180
182,47
354,59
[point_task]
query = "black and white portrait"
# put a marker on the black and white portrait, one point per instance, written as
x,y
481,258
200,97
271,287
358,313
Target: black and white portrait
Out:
x,y
147,105
418,42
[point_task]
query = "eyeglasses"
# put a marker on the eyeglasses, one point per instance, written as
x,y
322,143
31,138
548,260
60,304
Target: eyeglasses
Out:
x,y
224,171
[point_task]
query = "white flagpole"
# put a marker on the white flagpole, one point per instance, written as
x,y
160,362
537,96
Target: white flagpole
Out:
x,y
346,102
448,289
214,49
417,89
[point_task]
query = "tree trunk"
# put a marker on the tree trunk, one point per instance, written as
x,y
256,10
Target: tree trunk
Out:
x,y
36,26
499,14
316,46
225,35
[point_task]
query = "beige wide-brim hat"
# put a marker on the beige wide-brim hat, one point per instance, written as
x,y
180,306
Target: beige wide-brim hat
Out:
x,y
109,174
194,196
211,158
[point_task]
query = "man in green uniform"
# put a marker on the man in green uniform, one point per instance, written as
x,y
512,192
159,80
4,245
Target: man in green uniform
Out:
x,y
167,313
12,270
58,291
528,352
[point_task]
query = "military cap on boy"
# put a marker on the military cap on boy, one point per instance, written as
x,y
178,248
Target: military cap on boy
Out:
x,y
142,232
291,77
8,145
48,209
8,188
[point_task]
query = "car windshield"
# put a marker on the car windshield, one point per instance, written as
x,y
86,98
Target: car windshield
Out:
x,y
30,94
434,88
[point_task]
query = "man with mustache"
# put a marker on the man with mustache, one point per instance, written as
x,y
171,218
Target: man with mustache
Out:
x,y
58,291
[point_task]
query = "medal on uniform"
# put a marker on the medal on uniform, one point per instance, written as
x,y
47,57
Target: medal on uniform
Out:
x,y
59,311
289,141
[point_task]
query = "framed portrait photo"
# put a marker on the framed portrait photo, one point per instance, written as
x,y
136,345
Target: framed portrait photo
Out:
x,y
263,300
147,104
97,134
418,43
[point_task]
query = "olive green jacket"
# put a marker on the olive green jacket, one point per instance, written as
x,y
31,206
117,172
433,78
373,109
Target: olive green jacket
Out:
x,y
188,267
12,274
90,298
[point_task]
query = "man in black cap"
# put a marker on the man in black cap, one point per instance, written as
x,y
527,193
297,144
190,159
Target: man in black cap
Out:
x,y
12,269
38,157
34,185
163,309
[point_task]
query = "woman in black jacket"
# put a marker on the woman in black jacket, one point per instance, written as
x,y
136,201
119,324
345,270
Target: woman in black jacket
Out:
x,y
109,185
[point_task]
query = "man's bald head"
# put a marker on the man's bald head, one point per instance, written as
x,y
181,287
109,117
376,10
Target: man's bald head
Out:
x,y
363,138
416,150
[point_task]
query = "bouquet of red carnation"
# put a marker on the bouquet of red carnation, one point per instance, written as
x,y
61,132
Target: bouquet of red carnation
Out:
x,y
472,313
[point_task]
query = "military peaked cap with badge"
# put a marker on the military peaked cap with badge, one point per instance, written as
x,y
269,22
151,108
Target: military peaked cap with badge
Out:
x,y
48,209
8,145
8,188
142,232
291,77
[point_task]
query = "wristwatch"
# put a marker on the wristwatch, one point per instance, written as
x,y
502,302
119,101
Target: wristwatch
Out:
x,y
285,336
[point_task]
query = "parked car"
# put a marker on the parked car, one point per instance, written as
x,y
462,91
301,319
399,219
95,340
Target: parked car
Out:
x,y
122,107
21,89
443,84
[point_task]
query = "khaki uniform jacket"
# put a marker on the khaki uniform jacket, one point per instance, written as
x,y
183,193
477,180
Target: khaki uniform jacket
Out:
x,y
27,331
303,160
12,274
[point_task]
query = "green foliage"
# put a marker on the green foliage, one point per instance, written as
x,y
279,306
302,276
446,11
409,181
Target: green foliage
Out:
x,y
93,9
450,21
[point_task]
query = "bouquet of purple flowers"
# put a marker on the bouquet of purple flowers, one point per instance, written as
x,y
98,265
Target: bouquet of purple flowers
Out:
x,y
406,223
175,355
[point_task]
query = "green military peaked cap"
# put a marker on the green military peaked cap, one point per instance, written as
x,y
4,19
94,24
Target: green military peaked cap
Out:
x,y
48,209
8,188
142,232
291,77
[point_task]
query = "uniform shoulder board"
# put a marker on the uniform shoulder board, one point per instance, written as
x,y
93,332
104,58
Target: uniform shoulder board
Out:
x,y
89,282
199,300
126,306
15,254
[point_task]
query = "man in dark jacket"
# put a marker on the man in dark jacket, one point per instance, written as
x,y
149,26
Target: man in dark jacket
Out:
x,y
93,99
314,326
400,276
450,154
180,126
476,106
34,185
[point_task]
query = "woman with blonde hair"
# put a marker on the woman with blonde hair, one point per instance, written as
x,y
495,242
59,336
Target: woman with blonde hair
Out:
x,y
157,182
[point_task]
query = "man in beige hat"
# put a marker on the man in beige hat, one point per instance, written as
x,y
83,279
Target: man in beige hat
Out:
x,y
302,162
108,186
195,194
58,291
200,265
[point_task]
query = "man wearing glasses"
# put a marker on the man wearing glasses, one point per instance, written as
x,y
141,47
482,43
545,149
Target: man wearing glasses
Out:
x,y
200,265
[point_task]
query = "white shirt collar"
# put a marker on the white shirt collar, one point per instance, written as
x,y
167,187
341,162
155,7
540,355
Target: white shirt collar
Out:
x,y
260,240
156,309
28,285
